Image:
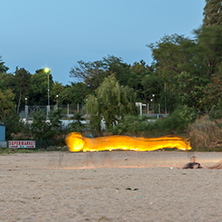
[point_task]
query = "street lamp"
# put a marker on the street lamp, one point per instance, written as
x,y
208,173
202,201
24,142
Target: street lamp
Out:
x,y
47,71
26,109
153,104
57,101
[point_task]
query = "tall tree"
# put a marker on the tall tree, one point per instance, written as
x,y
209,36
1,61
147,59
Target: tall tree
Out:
x,y
3,68
93,73
57,92
213,91
138,73
75,93
7,81
6,103
39,90
174,55
209,49
111,103
23,84
212,13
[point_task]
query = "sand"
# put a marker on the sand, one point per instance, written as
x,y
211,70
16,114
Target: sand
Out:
x,y
109,186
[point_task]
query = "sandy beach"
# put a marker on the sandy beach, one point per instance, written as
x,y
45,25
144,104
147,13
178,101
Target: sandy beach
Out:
x,y
109,186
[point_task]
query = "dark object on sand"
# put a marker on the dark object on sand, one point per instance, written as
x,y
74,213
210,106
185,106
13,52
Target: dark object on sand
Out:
x,y
194,165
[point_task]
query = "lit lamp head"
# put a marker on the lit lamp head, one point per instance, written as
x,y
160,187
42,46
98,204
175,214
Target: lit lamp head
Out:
x,y
46,70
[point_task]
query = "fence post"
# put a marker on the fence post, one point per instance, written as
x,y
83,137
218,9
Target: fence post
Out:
x,y
67,109
77,107
26,112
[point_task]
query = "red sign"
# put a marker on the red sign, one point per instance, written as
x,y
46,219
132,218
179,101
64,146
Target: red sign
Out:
x,y
21,144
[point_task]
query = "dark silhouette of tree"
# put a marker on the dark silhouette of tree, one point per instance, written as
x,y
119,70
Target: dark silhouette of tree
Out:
x,y
212,13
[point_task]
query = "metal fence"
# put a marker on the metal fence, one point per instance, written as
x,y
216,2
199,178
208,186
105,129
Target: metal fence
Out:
x,y
67,110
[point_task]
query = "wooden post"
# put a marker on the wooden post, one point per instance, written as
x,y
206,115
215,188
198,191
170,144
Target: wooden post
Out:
x,y
77,107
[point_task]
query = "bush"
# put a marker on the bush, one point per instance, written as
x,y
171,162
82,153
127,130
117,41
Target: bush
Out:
x,y
12,126
46,130
216,112
177,121
206,134
131,125
76,125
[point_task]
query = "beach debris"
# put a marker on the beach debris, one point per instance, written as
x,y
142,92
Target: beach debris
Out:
x,y
134,189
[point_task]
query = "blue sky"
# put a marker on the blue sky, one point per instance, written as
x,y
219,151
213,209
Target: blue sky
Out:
x,y
58,33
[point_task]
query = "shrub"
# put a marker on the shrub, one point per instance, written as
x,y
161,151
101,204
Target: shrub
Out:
x,y
177,121
131,125
206,134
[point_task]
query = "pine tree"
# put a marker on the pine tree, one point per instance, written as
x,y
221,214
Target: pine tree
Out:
x,y
212,13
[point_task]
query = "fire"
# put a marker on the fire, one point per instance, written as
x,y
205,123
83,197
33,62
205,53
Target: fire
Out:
x,y
76,142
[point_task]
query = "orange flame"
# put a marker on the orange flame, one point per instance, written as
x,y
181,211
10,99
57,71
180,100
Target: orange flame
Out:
x,y
76,142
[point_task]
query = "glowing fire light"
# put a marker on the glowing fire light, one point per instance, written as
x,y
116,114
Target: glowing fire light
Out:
x,y
76,142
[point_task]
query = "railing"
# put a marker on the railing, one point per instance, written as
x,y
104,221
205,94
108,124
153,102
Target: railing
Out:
x,y
67,110
150,109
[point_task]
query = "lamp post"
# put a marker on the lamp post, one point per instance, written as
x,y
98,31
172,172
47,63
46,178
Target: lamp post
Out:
x,y
151,101
47,70
26,109
57,101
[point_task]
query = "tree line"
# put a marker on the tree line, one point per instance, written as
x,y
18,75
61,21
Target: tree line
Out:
x,y
184,72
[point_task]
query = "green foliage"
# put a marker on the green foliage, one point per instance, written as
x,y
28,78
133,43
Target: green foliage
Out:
x,y
75,93
111,104
12,125
170,55
55,117
131,125
57,89
7,81
153,84
41,130
6,103
178,71
39,92
177,121
3,68
216,111
76,125
213,92
212,13
46,130
209,49
93,73
22,83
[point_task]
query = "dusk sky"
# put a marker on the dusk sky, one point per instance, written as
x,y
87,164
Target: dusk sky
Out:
x,y
57,34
